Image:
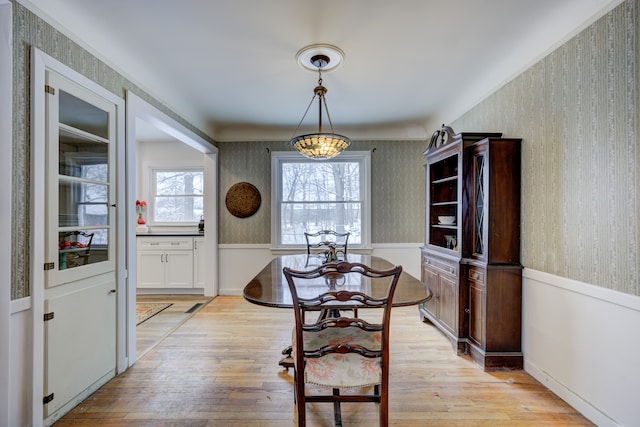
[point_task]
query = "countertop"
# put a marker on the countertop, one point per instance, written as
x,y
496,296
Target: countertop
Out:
x,y
170,233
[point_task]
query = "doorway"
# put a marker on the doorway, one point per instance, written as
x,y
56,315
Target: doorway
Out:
x,y
142,115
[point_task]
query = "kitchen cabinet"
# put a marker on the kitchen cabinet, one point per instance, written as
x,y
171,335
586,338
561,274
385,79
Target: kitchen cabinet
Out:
x,y
199,262
165,262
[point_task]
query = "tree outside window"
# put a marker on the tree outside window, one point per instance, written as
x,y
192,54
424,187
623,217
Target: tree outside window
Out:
x,y
320,195
178,196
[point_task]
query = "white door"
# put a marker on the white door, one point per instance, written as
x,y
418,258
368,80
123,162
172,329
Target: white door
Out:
x,y
80,278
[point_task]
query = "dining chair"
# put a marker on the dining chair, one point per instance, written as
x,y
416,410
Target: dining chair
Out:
x,y
337,352
323,240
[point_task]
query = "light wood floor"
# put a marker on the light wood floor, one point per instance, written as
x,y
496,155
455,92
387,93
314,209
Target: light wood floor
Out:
x,y
152,331
220,368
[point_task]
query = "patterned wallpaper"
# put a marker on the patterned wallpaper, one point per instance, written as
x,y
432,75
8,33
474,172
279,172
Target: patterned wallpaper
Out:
x,y
397,181
29,30
577,112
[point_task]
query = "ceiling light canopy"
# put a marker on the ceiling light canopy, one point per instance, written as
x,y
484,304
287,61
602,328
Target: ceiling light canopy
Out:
x,y
320,145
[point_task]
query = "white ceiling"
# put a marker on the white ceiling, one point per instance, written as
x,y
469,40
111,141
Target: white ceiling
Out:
x,y
229,67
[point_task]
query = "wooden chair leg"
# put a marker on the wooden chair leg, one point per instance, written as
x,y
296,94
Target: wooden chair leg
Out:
x,y
337,414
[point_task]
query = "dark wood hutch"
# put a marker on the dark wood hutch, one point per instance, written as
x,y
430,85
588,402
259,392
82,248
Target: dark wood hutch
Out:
x,y
471,257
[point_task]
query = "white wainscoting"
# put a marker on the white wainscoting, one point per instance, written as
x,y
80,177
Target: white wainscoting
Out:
x,y
583,343
21,369
239,263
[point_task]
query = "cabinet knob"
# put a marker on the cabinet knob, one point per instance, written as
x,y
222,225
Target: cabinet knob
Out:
x,y
466,310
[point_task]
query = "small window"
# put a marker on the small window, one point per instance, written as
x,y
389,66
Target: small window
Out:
x,y
311,195
177,196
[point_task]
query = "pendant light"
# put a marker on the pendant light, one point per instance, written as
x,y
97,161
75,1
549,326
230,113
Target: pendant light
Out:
x,y
320,145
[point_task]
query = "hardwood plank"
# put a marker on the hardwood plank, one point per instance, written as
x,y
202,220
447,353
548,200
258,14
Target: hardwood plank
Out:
x,y
219,368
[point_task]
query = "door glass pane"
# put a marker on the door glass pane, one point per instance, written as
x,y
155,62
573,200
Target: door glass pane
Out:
x,y
81,115
82,204
78,248
479,205
82,158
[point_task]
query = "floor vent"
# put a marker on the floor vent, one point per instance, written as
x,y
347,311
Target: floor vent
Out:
x,y
194,308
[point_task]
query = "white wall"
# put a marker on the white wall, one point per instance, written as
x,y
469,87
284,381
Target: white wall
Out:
x,y
20,375
582,342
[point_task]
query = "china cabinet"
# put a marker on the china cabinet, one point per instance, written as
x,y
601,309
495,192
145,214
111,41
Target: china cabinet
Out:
x,y
470,259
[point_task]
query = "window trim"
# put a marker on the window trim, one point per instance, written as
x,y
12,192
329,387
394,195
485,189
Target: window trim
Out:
x,y
152,169
280,157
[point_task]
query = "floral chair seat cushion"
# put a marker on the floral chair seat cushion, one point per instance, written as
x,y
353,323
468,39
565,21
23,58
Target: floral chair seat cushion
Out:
x,y
337,370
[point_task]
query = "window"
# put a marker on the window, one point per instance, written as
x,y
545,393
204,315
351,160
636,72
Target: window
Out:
x,y
177,196
311,195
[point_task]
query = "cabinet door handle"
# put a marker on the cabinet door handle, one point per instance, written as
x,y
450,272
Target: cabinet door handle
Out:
x,y
450,270
467,310
166,257
161,256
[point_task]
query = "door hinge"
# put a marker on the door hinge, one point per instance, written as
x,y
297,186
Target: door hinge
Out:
x,y
49,316
50,90
49,266
47,399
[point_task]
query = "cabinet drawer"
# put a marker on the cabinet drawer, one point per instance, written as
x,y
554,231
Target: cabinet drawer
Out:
x,y
440,265
159,243
476,275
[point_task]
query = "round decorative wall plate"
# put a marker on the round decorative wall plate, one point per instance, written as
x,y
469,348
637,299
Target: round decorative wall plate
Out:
x,y
243,200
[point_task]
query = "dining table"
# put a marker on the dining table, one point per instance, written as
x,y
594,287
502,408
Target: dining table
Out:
x,y
269,287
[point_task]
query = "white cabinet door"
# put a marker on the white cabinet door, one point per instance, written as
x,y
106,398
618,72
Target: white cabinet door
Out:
x,y
199,261
80,230
150,269
178,267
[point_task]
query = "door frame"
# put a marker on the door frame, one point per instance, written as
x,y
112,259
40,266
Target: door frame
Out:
x,y
139,109
41,62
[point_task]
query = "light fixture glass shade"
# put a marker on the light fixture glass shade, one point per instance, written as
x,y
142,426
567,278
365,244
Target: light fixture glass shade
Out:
x,y
320,146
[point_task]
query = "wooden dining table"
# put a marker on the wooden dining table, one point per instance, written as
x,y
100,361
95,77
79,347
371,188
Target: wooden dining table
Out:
x,y
269,287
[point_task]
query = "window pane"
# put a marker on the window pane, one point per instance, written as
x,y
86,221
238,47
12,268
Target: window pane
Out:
x,y
178,209
176,183
296,218
326,181
78,248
